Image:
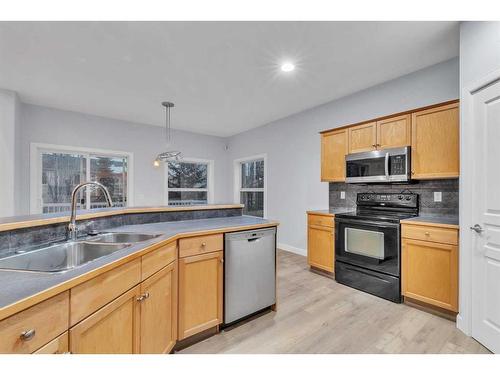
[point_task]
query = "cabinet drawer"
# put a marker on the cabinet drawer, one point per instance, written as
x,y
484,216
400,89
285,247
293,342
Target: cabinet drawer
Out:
x,y
95,293
157,259
59,345
200,245
427,233
326,221
45,321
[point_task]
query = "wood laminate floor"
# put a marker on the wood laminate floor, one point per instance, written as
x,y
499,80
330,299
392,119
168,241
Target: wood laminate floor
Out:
x,y
317,315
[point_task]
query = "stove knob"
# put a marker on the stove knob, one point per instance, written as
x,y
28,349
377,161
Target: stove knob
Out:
x,y
400,197
408,198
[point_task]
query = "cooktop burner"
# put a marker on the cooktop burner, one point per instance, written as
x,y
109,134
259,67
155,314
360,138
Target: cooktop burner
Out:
x,y
390,207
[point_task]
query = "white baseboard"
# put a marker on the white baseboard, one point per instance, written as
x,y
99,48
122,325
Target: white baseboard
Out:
x,y
292,249
462,326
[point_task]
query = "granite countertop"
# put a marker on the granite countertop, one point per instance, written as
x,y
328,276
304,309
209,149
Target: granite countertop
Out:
x,y
331,211
434,219
19,285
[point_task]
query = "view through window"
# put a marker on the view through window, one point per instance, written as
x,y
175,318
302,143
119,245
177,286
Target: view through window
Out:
x,y
62,171
252,187
188,183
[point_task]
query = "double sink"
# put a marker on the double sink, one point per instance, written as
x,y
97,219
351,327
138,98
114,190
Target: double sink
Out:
x,y
72,254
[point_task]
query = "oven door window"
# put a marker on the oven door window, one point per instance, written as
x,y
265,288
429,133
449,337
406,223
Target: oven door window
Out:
x,y
365,242
366,167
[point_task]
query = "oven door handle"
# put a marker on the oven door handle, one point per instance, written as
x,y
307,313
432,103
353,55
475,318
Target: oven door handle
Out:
x,y
367,222
387,166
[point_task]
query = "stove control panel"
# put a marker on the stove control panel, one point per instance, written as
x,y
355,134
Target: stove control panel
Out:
x,y
388,199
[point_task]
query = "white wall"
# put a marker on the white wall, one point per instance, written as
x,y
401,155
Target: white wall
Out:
x,y
9,117
479,57
47,125
292,144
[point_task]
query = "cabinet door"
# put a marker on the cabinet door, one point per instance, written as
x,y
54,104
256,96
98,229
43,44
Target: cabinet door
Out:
x,y
435,143
200,293
320,247
394,132
430,273
159,311
363,137
114,329
333,151
59,345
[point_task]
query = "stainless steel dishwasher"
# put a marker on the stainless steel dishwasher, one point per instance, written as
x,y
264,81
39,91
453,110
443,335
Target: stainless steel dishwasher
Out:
x,y
249,273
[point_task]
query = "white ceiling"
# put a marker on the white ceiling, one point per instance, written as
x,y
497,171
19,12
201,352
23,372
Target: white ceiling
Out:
x,y
223,77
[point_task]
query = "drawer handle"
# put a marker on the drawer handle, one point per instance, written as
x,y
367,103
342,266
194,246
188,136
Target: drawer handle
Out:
x,y
427,234
142,297
203,244
27,335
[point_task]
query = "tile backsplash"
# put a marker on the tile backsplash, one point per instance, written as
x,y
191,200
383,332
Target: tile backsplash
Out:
x,y
425,190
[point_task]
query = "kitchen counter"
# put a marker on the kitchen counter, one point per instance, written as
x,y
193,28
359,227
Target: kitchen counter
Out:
x,y
21,289
445,221
26,221
330,211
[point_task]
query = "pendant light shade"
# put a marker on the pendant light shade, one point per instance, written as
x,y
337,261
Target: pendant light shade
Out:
x,y
167,155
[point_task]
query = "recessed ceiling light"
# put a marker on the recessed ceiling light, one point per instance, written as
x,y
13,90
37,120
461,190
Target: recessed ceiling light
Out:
x,y
287,67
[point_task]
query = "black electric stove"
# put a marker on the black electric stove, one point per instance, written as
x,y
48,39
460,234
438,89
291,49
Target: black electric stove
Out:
x,y
368,243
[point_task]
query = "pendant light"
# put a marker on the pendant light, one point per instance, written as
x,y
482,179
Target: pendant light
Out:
x,y
167,155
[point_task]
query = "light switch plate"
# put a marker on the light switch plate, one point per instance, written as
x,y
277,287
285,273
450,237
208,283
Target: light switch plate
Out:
x,y
342,195
438,196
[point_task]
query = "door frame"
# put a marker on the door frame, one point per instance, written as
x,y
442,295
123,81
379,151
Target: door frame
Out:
x,y
466,200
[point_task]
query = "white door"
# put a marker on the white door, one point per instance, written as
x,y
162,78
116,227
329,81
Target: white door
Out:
x,y
486,215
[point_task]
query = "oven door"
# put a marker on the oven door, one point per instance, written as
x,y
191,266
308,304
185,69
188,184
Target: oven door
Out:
x,y
369,244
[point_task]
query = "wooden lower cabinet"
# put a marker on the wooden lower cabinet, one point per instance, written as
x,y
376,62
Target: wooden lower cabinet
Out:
x,y
59,345
114,329
200,293
321,244
430,273
159,311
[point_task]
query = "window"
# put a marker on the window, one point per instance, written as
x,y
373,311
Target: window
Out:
x,y
59,169
250,183
189,182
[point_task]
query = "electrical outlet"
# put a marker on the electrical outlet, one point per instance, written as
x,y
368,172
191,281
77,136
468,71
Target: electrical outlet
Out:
x,y
342,195
438,196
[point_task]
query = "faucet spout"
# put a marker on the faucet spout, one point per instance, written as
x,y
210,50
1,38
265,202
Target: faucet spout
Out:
x,y
72,228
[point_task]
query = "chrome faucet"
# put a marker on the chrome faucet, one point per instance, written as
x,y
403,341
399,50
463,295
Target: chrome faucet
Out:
x,y
72,228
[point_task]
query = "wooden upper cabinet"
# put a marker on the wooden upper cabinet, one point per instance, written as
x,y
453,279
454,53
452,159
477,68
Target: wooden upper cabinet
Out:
x,y
435,143
333,152
159,311
113,329
362,137
394,132
200,293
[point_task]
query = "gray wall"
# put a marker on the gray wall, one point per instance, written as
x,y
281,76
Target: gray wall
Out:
x,y
46,125
292,144
479,50
9,136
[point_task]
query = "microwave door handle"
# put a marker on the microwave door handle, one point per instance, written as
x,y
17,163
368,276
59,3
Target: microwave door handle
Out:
x,y
387,166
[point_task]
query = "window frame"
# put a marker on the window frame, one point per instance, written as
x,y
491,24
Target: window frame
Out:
x,y
36,150
237,179
210,179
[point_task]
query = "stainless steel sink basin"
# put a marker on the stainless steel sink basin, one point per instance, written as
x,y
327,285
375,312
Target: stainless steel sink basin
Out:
x,y
61,257
116,237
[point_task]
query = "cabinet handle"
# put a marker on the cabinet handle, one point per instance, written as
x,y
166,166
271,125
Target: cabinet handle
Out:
x,y
27,335
412,172
222,260
142,297
374,145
